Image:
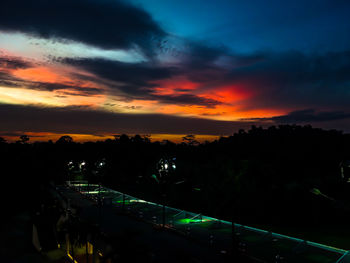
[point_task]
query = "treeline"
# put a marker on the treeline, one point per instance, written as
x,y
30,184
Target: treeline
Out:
x,y
261,175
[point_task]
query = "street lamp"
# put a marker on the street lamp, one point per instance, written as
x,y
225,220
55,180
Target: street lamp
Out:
x,y
75,169
164,167
99,165
99,168
82,165
70,168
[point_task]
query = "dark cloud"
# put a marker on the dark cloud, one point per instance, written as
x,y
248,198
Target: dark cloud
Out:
x,y
198,63
294,80
7,83
9,63
210,65
281,80
49,86
213,114
138,80
205,64
201,56
295,68
7,80
78,90
134,78
82,120
187,99
307,116
103,23
10,81
14,63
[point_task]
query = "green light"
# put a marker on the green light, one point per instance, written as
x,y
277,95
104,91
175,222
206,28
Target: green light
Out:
x,y
155,177
191,221
94,192
120,202
85,184
315,191
249,233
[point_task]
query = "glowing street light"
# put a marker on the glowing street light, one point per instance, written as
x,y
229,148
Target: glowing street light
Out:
x,y
82,165
101,164
164,166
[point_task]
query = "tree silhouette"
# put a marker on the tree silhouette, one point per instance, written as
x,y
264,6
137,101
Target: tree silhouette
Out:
x,y
190,140
65,139
23,139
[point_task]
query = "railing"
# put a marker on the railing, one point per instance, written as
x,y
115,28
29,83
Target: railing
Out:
x,y
264,245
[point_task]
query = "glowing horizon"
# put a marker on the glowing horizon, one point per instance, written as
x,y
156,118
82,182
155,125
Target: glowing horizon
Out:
x,y
81,138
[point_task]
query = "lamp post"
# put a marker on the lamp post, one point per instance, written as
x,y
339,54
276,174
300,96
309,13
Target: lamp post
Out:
x,y
70,167
82,169
164,167
75,170
99,165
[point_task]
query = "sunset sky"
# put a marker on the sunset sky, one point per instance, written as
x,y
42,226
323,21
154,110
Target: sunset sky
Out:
x,y
94,68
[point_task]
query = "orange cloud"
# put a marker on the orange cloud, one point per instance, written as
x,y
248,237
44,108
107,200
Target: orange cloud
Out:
x,y
71,92
177,85
230,93
231,98
41,74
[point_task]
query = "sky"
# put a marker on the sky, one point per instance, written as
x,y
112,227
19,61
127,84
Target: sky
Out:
x,y
95,68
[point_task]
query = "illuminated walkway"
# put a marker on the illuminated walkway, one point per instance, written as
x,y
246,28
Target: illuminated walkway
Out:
x,y
262,245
